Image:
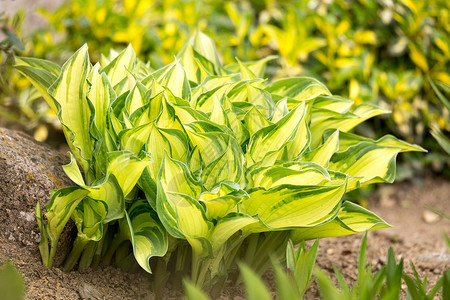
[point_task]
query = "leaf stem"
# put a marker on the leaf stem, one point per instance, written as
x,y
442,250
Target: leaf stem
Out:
x,y
88,255
78,247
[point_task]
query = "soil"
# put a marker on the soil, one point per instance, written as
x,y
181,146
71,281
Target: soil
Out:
x,y
416,237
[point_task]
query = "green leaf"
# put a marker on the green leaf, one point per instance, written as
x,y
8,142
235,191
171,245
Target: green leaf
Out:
x,y
149,112
41,73
323,153
281,109
73,172
12,285
299,88
274,137
226,227
304,266
227,167
174,176
288,206
136,98
209,84
446,285
209,144
333,103
250,93
70,90
223,198
245,72
290,256
393,277
295,174
367,160
88,218
193,293
109,192
184,217
255,287
322,119
347,139
199,48
126,168
176,80
257,67
42,64
286,287
177,205
327,288
440,95
136,138
254,121
351,219
147,234
61,206
442,140
101,95
218,114
240,131
43,243
363,274
117,69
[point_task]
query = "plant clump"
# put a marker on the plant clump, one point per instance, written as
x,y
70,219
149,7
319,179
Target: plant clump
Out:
x,y
195,166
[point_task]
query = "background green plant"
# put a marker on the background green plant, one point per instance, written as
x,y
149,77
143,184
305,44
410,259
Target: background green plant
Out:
x,y
12,285
21,106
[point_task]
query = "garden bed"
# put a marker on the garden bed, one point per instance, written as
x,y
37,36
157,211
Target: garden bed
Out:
x,y
414,237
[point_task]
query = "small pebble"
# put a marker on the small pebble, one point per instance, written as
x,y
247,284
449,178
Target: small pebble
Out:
x,y
87,291
387,196
330,251
430,217
346,252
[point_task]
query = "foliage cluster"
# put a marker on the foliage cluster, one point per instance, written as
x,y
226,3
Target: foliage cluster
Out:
x,y
201,164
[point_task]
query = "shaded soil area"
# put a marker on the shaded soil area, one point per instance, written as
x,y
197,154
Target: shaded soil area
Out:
x,y
416,236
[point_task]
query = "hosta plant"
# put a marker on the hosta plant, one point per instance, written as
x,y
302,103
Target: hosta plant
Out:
x,y
200,166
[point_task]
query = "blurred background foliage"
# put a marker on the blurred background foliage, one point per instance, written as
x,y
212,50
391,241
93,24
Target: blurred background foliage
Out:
x,y
391,52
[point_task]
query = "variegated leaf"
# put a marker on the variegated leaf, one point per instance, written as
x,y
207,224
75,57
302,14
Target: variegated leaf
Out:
x,y
351,219
274,137
41,73
299,88
147,235
118,68
70,90
287,206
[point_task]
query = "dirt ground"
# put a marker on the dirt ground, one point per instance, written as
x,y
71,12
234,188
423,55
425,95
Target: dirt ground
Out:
x,y
416,236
